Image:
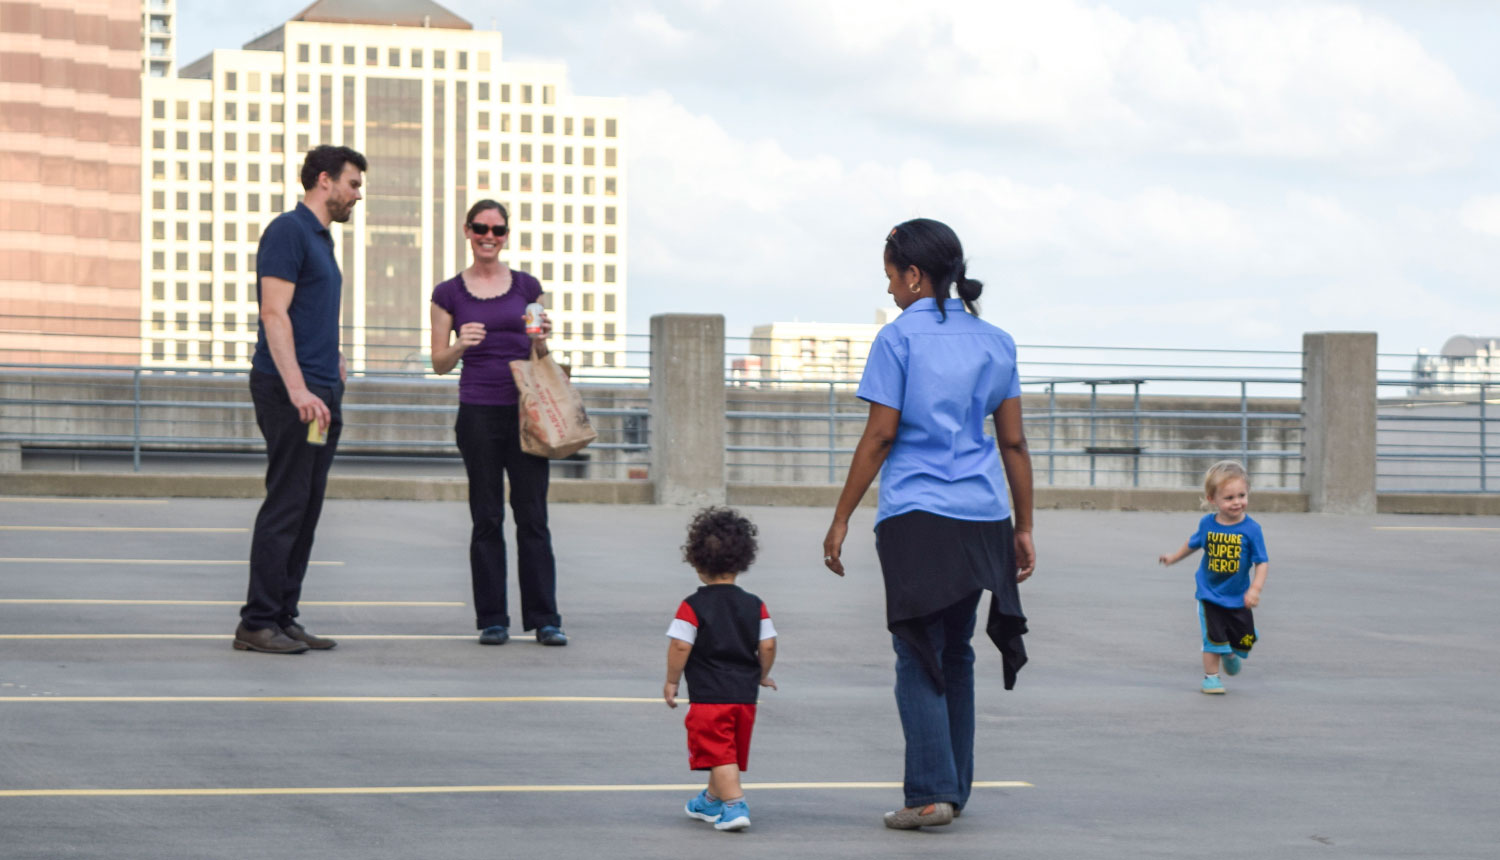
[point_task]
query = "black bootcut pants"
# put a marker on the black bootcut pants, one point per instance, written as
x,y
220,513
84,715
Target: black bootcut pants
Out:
x,y
490,440
296,476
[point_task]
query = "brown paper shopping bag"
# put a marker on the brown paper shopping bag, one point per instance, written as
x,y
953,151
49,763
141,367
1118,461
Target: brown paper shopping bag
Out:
x,y
553,422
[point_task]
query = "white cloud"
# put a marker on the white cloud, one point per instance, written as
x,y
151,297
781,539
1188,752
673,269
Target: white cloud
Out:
x,y
1482,215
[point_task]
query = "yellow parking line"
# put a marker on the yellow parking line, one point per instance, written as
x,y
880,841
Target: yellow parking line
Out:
x,y
44,499
353,636
457,789
91,601
169,529
326,700
166,561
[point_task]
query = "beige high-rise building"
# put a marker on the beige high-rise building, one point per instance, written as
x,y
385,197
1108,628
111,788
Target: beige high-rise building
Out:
x,y
443,121
70,188
158,32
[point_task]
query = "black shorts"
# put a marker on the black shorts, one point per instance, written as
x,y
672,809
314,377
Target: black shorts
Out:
x,y
1226,629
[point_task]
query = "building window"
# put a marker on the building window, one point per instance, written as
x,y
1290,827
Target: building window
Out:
x,y
158,140
182,109
609,128
609,157
484,120
416,58
231,170
484,150
325,54
588,244
182,297
205,292
609,332
158,260
567,155
205,262
588,302
393,58
547,268
588,273
484,180
609,188
304,84
158,109
547,210
525,241
463,60
231,81
547,241
547,156
182,231
609,244
252,112
231,111
588,214
159,293
230,204
526,94
567,301
372,56
229,262
484,91
254,170
205,231
588,126
549,94
588,328
547,127
588,156
348,55
609,298
231,143
159,230
182,201
505,93
158,200
526,123
304,53
439,60
609,214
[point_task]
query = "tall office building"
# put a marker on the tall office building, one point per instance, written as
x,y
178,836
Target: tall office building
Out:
x,y
158,27
70,193
443,121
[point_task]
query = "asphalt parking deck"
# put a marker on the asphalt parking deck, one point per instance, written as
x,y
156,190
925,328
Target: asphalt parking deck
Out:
x,y
1363,726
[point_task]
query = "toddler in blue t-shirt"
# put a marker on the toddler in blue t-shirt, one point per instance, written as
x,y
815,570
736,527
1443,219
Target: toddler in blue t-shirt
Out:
x,y
1231,573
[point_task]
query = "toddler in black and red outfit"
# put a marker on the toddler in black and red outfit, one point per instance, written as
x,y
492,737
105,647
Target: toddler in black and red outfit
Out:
x,y
723,638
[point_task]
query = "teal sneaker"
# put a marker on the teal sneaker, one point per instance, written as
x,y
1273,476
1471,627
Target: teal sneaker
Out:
x,y
736,816
1212,684
705,808
1232,664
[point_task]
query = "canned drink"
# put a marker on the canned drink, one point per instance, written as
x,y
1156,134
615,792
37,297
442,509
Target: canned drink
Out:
x,y
534,318
315,434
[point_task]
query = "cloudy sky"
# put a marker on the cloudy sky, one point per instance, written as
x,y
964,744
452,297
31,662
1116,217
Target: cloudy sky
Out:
x,y
1131,173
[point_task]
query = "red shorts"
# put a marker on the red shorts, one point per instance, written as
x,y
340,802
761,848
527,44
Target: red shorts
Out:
x,y
719,734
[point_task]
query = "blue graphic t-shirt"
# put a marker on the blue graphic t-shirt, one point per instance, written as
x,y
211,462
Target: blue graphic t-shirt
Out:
x,y
1230,553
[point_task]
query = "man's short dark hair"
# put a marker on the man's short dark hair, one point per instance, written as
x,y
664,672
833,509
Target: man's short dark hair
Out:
x,y
330,160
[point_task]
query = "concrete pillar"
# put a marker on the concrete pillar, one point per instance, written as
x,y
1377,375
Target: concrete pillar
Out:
x,y
10,456
687,409
1338,416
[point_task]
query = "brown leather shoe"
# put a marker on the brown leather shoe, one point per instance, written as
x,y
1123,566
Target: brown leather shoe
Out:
x,y
269,641
296,631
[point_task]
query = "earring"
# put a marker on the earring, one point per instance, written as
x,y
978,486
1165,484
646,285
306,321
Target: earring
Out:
x,y
915,288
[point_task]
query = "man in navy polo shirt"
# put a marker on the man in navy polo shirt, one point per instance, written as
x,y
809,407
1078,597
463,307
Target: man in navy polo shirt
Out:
x,y
296,378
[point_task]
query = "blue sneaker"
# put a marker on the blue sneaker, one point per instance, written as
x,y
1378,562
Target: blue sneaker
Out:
x,y
1232,664
1212,684
705,808
736,816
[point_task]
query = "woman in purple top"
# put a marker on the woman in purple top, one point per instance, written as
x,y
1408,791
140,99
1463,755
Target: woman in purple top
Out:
x,y
484,305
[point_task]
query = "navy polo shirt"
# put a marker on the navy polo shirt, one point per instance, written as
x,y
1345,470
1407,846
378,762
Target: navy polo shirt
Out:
x,y
296,247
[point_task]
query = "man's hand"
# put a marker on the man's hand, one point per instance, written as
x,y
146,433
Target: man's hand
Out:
x,y
767,681
669,693
1025,556
310,407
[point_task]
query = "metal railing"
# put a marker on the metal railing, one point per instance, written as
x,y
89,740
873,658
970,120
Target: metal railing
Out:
x,y
145,410
1437,437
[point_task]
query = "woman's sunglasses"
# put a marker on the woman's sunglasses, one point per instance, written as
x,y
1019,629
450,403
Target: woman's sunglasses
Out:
x,y
485,229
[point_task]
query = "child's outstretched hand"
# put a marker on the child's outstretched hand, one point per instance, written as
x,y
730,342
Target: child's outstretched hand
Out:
x,y
669,693
767,681
1166,559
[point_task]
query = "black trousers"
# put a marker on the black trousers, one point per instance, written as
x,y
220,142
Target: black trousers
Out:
x,y
489,438
296,476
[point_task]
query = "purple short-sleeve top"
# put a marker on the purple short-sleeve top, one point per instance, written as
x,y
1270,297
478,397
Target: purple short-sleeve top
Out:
x,y
485,379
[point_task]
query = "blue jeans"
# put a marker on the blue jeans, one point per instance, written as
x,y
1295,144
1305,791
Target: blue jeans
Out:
x,y
939,727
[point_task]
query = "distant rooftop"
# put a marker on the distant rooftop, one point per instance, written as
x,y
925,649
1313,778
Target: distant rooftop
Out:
x,y
1468,346
397,13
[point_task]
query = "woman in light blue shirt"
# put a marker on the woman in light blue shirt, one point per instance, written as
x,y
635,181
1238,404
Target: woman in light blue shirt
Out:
x,y
944,530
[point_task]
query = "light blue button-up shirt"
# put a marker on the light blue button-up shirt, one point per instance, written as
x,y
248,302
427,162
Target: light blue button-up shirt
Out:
x,y
945,377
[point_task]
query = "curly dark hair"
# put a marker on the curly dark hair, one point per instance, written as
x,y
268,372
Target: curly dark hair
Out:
x,y
720,541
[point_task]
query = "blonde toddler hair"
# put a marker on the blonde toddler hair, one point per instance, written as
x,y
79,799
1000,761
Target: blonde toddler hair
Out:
x,y
1218,473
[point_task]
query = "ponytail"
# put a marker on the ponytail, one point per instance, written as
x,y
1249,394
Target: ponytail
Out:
x,y
933,248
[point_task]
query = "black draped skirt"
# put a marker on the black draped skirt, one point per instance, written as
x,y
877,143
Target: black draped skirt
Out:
x,y
931,562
